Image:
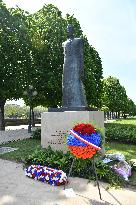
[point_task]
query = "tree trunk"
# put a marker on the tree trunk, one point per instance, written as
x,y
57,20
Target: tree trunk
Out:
x,y
33,120
118,114
104,115
110,115
2,121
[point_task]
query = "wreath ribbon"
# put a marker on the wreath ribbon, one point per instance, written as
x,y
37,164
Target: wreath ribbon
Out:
x,y
83,140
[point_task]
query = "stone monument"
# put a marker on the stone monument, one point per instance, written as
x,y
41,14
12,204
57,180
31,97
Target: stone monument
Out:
x,y
73,94
56,123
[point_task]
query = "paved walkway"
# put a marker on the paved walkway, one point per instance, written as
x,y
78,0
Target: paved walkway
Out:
x,y
17,189
13,135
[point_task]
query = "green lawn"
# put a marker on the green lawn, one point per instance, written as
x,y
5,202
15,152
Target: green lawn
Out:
x,y
130,120
128,150
26,147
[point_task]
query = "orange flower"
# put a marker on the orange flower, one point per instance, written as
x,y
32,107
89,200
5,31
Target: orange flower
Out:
x,y
83,152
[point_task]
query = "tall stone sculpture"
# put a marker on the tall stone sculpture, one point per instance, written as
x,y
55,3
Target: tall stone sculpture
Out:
x,y
73,95
57,121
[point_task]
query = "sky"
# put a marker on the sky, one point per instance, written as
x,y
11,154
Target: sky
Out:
x,y
110,26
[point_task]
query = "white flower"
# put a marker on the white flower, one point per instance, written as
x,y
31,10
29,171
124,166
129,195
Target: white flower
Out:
x,y
47,178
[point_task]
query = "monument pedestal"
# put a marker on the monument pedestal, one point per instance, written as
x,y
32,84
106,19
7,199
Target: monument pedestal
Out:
x,y
56,125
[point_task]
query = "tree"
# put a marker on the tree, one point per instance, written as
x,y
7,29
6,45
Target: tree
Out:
x,y
48,32
131,107
93,76
31,53
13,55
15,111
114,96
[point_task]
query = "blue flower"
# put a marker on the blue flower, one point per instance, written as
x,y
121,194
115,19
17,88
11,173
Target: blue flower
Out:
x,y
73,141
94,138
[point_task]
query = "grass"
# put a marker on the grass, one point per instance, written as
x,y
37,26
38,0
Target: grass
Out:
x,y
130,120
129,151
26,147
132,179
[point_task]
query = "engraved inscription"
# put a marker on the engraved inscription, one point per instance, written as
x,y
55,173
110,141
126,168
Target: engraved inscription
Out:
x,y
60,136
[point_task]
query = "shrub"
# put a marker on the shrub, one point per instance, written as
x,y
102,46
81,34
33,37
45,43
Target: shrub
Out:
x,y
125,133
36,134
81,168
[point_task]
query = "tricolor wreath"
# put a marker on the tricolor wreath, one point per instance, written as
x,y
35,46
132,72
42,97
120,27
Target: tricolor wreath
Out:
x,y
84,140
45,174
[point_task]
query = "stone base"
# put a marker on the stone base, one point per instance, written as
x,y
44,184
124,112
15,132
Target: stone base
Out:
x,y
56,125
63,109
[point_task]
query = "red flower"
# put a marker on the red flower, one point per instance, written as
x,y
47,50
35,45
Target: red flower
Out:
x,y
33,175
84,128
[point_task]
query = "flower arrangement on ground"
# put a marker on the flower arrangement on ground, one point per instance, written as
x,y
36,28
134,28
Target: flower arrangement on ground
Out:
x,y
84,140
118,164
45,174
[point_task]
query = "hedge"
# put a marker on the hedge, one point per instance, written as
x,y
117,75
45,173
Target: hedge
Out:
x,y
125,133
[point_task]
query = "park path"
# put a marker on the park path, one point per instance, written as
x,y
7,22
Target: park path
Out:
x,y
17,189
13,135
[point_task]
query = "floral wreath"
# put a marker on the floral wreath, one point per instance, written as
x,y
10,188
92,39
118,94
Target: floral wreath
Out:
x,y
45,174
84,141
